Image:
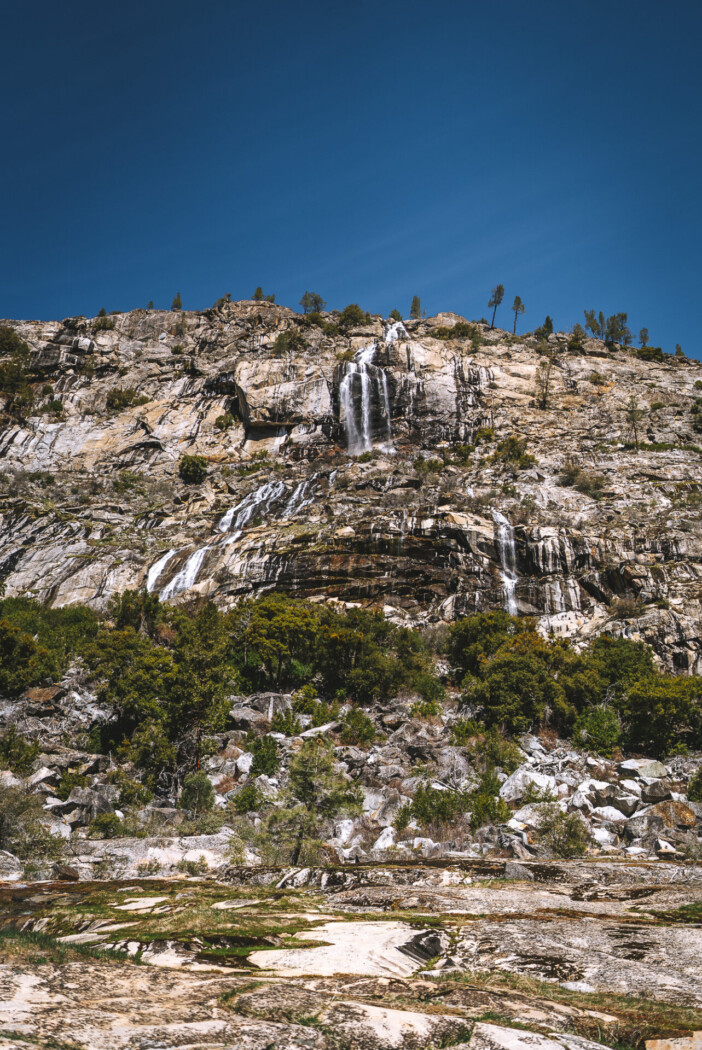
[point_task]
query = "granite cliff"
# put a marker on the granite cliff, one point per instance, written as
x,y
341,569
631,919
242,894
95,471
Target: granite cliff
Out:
x,y
405,465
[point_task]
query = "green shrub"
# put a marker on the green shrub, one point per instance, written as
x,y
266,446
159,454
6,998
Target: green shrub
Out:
x,y
290,341
21,828
266,759
198,795
285,722
512,450
131,792
425,709
224,422
358,730
106,826
54,407
435,806
70,778
461,330
248,800
103,323
598,729
352,316
17,753
565,834
651,353
192,469
424,466
120,398
584,481
694,786
14,377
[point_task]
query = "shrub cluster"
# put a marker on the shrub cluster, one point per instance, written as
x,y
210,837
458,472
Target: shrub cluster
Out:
x,y
609,694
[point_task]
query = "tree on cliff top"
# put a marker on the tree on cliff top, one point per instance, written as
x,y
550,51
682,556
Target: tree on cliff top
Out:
x,y
312,303
518,308
416,307
498,294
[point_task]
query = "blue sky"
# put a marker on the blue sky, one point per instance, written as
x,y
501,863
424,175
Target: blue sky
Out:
x,y
366,151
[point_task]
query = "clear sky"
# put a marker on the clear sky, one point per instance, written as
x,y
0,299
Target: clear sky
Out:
x,y
368,151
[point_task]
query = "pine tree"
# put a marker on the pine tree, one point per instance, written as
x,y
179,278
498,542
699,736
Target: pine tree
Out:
x,y
518,308
633,415
498,294
416,307
102,312
258,294
643,337
177,303
312,303
396,315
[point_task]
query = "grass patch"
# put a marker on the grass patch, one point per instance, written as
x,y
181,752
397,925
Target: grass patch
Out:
x,y
684,915
637,1018
41,948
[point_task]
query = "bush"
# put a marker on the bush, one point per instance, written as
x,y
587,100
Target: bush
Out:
x,y
21,829
285,723
358,730
198,794
694,786
224,422
17,753
103,323
565,834
512,450
106,826
588,483
266,759
70,778
288,342
192,469
120,398
248,800
651,353
461,330
598,729
352,316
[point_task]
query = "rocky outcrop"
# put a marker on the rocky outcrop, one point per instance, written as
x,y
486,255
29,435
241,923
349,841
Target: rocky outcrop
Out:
x,y
363,466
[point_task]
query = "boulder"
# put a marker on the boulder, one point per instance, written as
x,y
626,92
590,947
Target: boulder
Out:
x,y
675,814
524,780
10,867
642,767
655,791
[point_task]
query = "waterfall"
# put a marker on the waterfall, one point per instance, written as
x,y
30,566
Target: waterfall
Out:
x,y
300,497
363,387
157,568
187,576
260,499
508,560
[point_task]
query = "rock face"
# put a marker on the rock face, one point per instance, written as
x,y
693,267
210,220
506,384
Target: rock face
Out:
x,y
323,471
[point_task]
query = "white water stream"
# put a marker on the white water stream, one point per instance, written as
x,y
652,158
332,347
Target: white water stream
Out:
x,y
157,568
187,576
508,559
363,390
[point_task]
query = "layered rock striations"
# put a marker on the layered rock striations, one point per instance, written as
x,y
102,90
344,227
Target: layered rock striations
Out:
x,y
366,465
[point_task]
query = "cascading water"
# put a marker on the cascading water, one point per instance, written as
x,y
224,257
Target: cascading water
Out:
x,y
157,568
260,500
508,559
364,395
302,496
187,576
